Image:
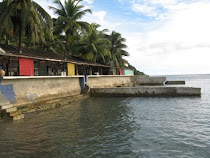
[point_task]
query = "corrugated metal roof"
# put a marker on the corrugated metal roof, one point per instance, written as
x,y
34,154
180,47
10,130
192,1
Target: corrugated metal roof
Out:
x,y
37,54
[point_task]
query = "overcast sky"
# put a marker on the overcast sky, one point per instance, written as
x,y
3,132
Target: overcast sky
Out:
x,y
163,36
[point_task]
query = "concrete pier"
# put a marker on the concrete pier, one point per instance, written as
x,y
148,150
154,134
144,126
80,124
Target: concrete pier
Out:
x,y
146,91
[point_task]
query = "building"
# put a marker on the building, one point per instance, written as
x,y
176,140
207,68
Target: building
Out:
x,y
33,62
122,70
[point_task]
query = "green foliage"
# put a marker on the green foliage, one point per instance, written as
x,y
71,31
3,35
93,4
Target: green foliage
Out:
x,y
136,72
93,46
117,49
69,15
23,19
25,23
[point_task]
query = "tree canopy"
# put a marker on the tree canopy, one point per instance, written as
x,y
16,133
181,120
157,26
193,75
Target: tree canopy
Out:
x,y
23,19
24,23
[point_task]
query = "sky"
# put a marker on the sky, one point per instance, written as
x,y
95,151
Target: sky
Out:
x,y
164,37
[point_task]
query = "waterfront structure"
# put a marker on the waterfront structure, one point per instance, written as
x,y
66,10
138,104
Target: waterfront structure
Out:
x,y
29,93
146,91
34,62
122,70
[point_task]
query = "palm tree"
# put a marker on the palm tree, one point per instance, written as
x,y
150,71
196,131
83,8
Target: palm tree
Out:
x,y
94,46
117,49
69,15
52,41
23,18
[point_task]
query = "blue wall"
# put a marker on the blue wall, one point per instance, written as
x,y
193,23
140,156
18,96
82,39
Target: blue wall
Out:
x,y
82,83
8,92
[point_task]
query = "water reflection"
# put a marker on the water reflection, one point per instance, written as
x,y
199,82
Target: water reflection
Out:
x,y
83,129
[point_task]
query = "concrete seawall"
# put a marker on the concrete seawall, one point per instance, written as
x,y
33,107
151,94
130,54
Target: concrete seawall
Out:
x,y
39,93
147,91
109,81
28,90
23,91
147,80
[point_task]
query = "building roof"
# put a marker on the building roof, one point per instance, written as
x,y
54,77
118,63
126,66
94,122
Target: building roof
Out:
x,y
38,54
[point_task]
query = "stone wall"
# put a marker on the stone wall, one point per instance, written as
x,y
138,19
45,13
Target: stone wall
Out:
x,y
27,90
109,81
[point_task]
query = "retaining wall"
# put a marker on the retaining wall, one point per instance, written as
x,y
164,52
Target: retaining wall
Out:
x,y
109,81
147,80
27,90
22,91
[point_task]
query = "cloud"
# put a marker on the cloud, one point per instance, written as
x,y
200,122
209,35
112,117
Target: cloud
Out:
x,y
157,9
163,36
100,17
174,41
144,9
179,45
86,1
89,1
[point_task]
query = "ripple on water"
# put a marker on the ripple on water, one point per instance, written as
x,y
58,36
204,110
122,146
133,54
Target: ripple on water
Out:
x,y
115,127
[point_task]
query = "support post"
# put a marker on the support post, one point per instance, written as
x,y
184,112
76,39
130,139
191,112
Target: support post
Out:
x,y
76,69
47,69
101,70
91,72
84,73
10,69
4,64
98,70
63,67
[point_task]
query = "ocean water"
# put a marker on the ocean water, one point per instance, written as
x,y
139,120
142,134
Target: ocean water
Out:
x,y
177,127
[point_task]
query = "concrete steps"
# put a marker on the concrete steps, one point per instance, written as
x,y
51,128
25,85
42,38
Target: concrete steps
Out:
x,y
7,106
15,113
8,110
18,117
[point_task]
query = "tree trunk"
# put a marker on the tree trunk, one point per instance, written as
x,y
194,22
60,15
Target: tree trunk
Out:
x,y
20,38
65,52
66,49
6,40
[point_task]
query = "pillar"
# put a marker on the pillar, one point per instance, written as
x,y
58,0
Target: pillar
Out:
x,y
101,71
91,72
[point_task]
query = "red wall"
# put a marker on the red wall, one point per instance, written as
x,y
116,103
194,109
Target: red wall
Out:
x,y
26,67
121,72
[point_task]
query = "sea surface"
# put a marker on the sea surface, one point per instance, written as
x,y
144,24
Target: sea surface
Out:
x,y
177,127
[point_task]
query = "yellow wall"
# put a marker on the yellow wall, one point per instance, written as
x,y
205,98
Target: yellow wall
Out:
x,y
71,69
